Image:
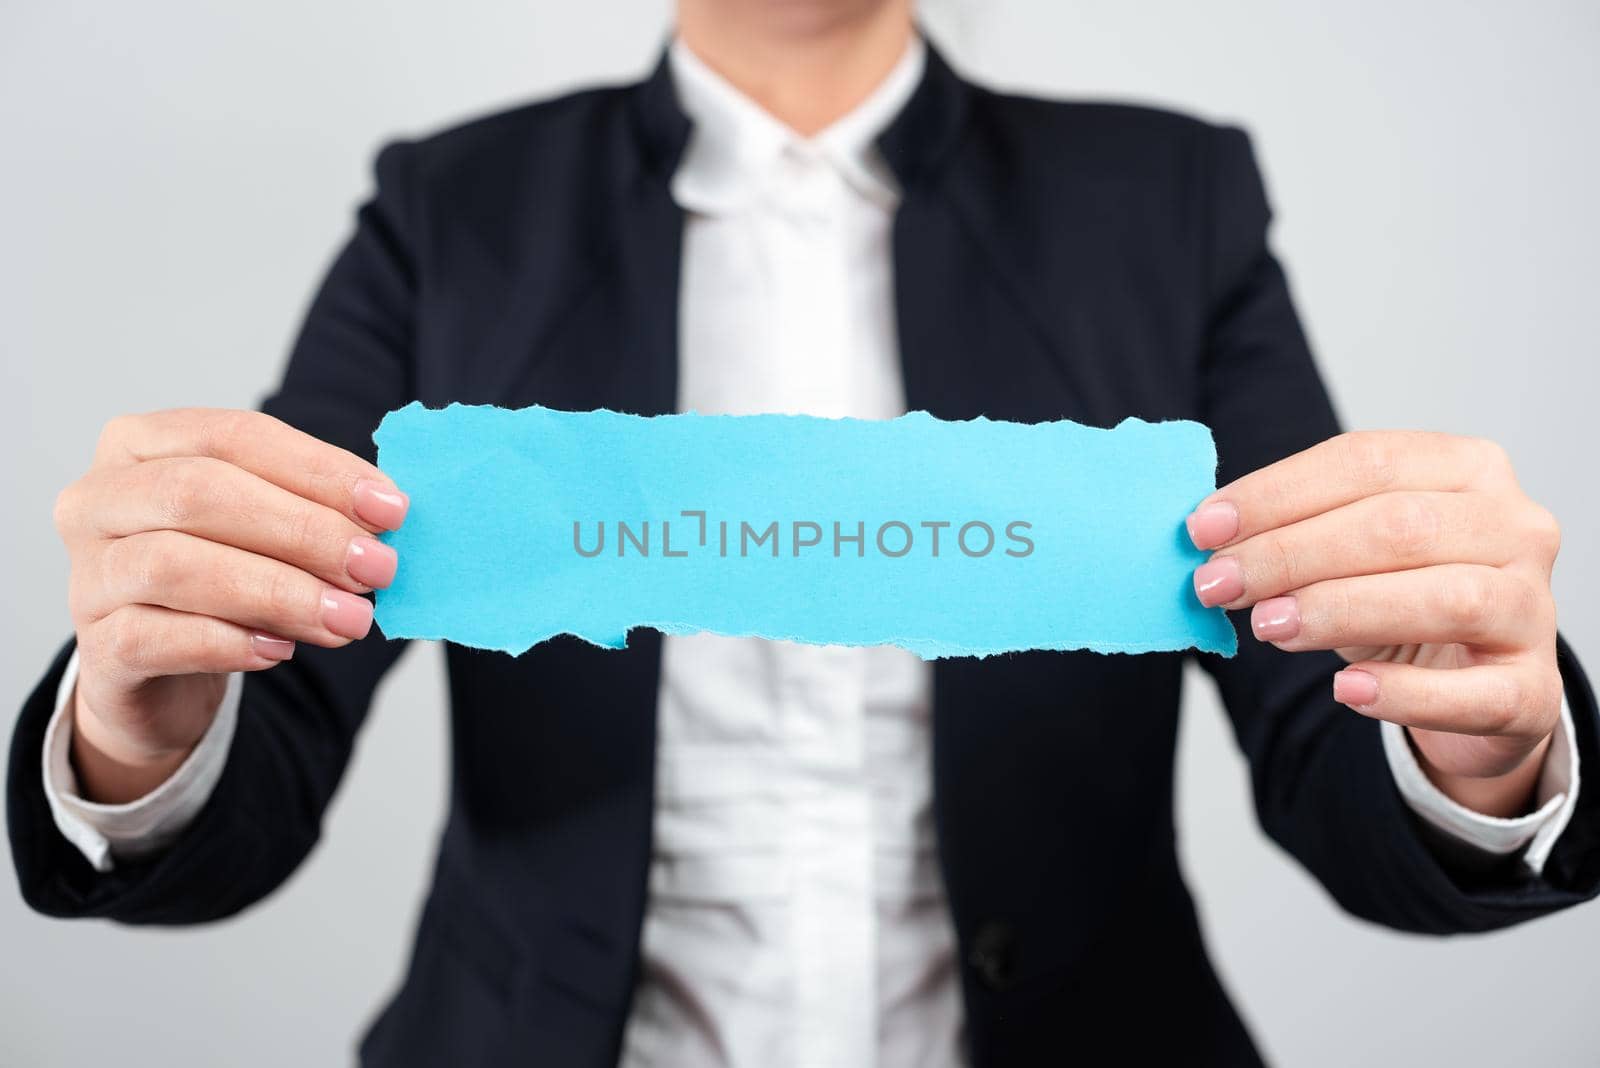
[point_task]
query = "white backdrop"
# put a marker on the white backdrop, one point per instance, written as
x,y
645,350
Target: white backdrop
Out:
x,y
175,174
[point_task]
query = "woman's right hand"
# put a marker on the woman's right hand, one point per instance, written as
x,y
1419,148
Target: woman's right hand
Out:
x,y
205,542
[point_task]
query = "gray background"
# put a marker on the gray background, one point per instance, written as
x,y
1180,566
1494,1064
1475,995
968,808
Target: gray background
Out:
x,y
174,175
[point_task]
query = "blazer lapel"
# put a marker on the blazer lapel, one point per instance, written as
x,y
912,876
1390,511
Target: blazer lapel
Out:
x,y
973,339
590,315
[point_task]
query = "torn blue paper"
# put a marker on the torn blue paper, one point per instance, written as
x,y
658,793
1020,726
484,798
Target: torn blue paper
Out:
x,y
949,539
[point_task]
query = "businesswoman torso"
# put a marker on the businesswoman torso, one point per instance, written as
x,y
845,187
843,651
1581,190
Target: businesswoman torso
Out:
x,y
1049,261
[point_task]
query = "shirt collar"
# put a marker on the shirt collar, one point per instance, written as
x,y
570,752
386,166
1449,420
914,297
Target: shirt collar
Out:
x,y
736,144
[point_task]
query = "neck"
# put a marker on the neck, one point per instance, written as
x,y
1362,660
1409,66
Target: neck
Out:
x,y
805,68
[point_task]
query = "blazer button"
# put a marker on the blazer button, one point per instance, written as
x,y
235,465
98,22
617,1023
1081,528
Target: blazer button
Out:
x,y
994,955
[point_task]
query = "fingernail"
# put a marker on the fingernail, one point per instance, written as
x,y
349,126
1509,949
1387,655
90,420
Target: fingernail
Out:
x,y
370,562
1355,688
1276,619
346,614
380,504
1218,581
1213,524
271,647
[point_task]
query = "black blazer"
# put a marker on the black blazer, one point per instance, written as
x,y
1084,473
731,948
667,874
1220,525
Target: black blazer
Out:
x,y
1077,261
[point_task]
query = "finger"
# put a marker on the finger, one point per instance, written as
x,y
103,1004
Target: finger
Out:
x,y
149,642
170,569
219,502
1340,471
266,447
1475,605
1493,699
1389,532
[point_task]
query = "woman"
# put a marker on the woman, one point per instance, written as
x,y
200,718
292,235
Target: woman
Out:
x,y
715,850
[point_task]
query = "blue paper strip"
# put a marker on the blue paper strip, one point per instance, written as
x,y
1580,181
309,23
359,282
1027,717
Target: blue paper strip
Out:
x,y
948,539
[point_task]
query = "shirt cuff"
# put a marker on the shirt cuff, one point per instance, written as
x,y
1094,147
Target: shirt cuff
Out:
x,y
149,824
1555,798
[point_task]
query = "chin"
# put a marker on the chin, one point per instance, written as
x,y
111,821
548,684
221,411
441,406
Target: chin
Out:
x,y
810,16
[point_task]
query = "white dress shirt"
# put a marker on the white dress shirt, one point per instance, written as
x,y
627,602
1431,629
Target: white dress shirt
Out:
x,y
795,914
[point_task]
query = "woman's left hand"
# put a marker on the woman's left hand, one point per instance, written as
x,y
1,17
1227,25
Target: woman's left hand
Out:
x,y
1418,558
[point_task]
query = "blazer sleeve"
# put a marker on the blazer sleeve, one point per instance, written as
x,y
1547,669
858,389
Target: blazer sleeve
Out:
x,y
297,721
1323,789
